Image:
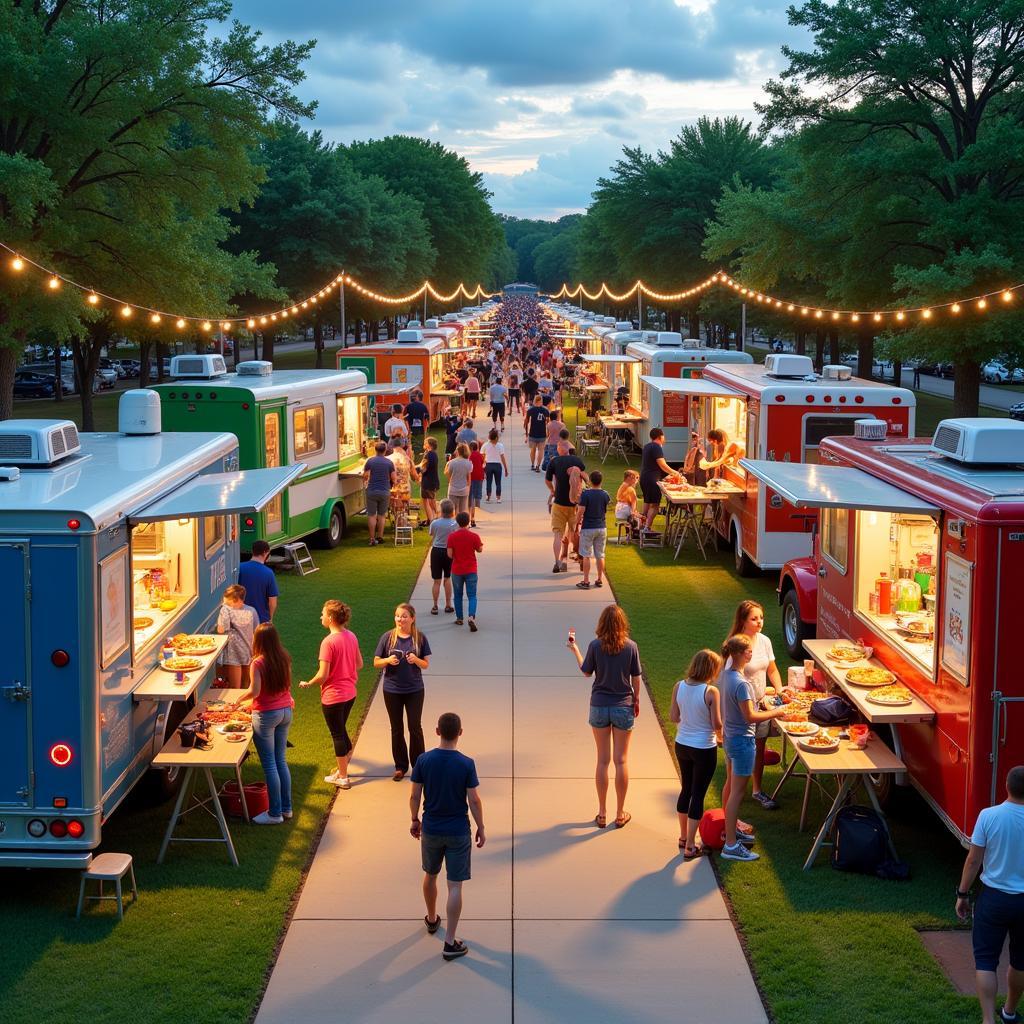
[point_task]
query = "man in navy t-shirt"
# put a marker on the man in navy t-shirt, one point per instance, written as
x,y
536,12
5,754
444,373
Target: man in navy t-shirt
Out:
x,y
445,780
260,582
417,415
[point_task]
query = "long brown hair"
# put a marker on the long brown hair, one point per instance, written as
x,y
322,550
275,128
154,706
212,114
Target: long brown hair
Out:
x,y
415,632
276,671
612,629
705,665
743,610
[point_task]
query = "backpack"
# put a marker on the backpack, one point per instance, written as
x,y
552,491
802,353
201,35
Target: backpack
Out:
x,y
577,479
861,842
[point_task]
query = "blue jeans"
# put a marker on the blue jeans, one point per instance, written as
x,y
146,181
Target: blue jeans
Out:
x,y
469,582
492,470
270,734
550,451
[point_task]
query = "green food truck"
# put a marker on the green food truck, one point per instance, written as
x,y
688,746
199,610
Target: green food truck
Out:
x,y
282,417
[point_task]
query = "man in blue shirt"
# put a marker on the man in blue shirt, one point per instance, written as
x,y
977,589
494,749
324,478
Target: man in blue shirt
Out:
x,y
260,582
445,780
592,527
378,478
417,416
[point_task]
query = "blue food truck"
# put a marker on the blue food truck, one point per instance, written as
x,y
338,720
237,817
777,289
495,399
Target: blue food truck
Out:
x,y
109,544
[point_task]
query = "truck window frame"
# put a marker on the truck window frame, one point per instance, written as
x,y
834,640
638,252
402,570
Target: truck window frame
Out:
x,y
315,408
824,535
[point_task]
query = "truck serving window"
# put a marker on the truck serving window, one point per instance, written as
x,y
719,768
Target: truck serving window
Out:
x,y
163,576
817,428
308,430
835,536
350,428
730,415
895,585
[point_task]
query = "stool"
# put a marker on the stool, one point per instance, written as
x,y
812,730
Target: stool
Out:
x,y
590,444
109,867
623,527
652,539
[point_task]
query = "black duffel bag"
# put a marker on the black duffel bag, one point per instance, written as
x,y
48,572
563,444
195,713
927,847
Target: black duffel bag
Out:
x,y
832,711
861,841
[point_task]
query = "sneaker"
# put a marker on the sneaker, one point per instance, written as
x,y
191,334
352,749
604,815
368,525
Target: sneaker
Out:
x,y
1009,1018
266,818
287,815
343,783
333,778
453,950
499,500
765,801
472,625
557,567
563,567
746,838
739,852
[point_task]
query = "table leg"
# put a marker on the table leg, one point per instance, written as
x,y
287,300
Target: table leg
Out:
x,y
826,825
698,528
221,820
806,800
241,790
873,797
187,784
786,774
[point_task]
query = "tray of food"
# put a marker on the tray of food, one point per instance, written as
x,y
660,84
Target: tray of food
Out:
x,y
800,728
181,664
237,737
820,743
141,622
846,652
918,627
230,715
870,676
234,725
193,643
893,696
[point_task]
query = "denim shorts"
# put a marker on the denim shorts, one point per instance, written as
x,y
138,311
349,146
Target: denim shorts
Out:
x,y
592,542
476,489
741,751
453,850
619,716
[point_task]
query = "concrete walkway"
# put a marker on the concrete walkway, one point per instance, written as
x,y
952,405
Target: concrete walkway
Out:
x,y
564,921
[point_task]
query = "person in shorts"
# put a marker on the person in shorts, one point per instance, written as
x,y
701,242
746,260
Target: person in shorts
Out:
x,y
613,659
563,509
997,852
440,563
591,524
378,479
430,481
535,425
445,781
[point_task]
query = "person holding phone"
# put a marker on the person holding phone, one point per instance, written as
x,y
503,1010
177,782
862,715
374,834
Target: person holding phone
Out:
x,y
403,653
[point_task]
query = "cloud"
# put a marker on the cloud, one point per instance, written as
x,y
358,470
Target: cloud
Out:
x,y
616,105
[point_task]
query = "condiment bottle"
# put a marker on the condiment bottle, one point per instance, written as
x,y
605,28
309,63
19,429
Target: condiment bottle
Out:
x,y
167,651
883,587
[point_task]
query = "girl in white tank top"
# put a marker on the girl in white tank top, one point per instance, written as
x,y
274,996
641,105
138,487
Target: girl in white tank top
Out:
x,y
695,727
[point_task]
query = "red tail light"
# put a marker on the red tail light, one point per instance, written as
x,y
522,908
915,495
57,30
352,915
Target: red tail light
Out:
x,y
75,829
58,829
61,755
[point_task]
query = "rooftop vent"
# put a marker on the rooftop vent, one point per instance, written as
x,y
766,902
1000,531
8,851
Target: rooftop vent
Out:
x,y
977,441
414,323
624,325
836,372
870,429
37,442
254,368
691,343
432,322
786,365
138,413
203,367
664,339
408,337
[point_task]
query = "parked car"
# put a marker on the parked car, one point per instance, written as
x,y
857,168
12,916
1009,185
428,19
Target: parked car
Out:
x,y
1017,411
67,374
107,377
29,384
995,373
127,368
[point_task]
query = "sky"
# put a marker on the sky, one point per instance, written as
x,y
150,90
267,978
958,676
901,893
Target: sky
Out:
x,y
540,96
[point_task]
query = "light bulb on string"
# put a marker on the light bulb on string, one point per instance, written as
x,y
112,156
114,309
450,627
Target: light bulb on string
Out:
x,y
126,312
926,314
92,298
154,318
899,315
1007,295
226,326
250,322
982,304
207,325
54,283
179,323
17,263
955,308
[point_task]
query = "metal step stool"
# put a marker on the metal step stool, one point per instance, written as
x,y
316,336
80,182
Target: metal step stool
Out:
x,y
404,529
108,867
301,561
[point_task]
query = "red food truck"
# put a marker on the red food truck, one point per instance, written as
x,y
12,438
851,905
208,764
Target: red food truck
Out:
x,y
780,411
918,544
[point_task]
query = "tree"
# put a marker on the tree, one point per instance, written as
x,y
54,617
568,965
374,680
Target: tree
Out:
x,y
124,130
463,229
940,79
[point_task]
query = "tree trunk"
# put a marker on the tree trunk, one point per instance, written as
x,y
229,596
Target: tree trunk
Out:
x,y
373,333
865,352
58,384
819,350
966,387
87,359
800,343
268,346
897,372
8,364
318,343
833,347
161,348
144,347
693,322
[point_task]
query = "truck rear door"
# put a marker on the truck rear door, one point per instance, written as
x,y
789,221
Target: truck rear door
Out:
x,y
15,777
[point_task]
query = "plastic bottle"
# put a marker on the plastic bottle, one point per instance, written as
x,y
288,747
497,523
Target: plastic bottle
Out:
x,y
883,587
167,651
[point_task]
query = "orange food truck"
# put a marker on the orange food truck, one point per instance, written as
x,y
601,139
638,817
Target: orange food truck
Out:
x,y
781,411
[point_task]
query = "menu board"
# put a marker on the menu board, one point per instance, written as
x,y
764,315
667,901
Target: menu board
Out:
x,y
676,411
956,616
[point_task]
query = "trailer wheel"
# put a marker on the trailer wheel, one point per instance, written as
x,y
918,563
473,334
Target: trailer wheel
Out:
x,y
794,630
744,566
885,784
330,536
158,785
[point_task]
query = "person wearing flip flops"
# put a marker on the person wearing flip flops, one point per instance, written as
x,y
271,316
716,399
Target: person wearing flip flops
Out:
x,y
739,718
613,659
445,782
591,525
697,712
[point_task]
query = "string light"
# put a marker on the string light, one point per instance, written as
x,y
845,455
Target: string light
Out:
x,y
154,318
179,323
92,298
17,263
126,312
54,283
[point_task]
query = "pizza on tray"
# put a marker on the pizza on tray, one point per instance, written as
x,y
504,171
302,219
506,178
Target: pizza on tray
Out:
x,y
181,664
870,676
800,728
187,643
891,696
846,652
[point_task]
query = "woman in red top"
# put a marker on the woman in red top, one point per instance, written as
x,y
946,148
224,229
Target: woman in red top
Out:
x,y
476,480
271,696
340,661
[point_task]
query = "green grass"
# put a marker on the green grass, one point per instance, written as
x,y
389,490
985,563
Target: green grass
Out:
x,y
818,940
201,940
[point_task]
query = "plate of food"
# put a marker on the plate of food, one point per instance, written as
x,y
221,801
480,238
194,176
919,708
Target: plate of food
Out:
x,y
893,696
917,627
181,664
800,728
236,737
846,652
794,715
235,725
141,622
870,676
820,743
186,643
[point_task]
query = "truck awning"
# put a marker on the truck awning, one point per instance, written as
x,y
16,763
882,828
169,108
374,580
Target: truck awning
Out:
x,y
698,387
373,390
610,358
823,486
216,494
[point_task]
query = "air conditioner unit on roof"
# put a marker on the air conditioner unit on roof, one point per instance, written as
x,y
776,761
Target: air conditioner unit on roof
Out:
x,y
409,337
203,367
37,442
980,441
254,368
786,365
